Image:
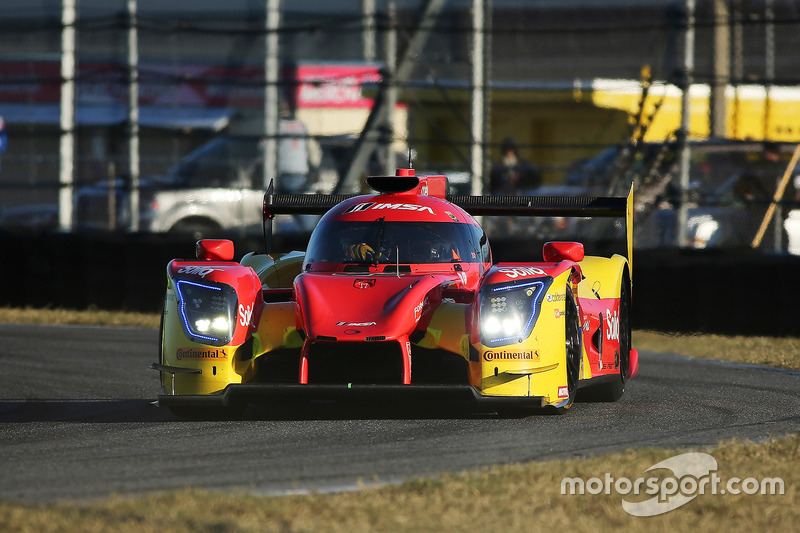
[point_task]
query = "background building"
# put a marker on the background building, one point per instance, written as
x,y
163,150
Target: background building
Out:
x,y
563,78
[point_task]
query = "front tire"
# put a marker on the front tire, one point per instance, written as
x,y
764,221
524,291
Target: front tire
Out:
x,y
574,352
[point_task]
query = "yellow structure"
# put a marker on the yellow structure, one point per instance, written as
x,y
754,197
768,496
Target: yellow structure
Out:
x,y
557,128
753,111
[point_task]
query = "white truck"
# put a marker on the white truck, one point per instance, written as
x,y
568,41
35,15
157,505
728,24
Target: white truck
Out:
x,y
217,188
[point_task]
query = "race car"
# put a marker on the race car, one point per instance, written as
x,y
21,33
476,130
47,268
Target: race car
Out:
x,y
396,298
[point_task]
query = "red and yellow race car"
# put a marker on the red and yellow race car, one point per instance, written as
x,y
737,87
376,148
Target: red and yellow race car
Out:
x,y
397,297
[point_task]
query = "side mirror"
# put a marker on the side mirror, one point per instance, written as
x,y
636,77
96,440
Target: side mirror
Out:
x,y
215,250
559,251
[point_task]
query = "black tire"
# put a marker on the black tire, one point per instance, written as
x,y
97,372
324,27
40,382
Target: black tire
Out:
x,y
624,330
161,342
572,339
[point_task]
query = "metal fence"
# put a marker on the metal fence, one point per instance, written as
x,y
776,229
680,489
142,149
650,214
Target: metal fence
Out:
x,y
201,76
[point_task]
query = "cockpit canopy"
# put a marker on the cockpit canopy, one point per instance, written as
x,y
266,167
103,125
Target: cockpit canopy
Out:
x,y
404,242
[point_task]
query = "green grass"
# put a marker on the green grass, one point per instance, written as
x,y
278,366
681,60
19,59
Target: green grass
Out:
x,y
780,352
518,497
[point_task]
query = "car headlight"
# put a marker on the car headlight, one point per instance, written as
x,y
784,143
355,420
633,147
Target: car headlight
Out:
x,y
508,312
207,311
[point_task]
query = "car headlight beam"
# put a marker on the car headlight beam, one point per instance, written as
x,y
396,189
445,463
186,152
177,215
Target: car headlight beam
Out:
x,y
207,311
508,312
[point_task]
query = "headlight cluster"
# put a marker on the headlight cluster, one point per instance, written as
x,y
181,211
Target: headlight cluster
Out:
x,y
207,311
508,312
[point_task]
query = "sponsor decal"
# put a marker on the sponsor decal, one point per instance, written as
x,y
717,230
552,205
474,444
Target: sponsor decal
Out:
x,y
200,271
524,355
419,309
451,215
563,392
372,206
245,314
559,313
556,297
522,272
197,354
463,277
612,325
364,283
356,324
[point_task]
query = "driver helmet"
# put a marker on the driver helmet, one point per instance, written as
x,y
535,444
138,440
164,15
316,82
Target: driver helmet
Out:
x,y
360,252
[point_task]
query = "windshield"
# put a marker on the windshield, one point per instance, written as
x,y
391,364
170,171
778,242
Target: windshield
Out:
x,y
381,242
222,162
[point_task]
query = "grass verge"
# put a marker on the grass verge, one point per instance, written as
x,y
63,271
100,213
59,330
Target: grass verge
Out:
x,y
89,317
780,352
520,497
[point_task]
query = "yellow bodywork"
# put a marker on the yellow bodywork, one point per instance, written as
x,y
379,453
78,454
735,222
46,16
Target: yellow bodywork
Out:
x,y
218,366
221,366
537,365
534,367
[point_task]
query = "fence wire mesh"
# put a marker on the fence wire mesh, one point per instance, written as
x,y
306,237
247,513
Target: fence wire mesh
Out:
x,y
201,78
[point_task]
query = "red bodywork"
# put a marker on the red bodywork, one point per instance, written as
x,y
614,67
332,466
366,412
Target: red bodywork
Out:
x,y
407,267
385,307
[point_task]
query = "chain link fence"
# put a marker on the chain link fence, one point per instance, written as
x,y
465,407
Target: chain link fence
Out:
x,y
201,97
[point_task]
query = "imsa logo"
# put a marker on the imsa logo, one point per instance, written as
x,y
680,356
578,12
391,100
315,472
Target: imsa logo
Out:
x,y
372,206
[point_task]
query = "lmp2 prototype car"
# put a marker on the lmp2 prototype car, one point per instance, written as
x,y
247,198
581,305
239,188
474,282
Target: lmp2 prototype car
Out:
x,y
396,298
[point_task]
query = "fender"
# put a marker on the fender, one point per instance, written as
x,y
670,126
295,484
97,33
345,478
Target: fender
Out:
x,y
602,276
275,270
599,295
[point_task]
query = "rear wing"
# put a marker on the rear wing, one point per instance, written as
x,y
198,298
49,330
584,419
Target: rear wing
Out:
x,y
534,206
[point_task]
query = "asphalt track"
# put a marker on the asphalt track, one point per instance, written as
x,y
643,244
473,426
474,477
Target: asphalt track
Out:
x,y
77,422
